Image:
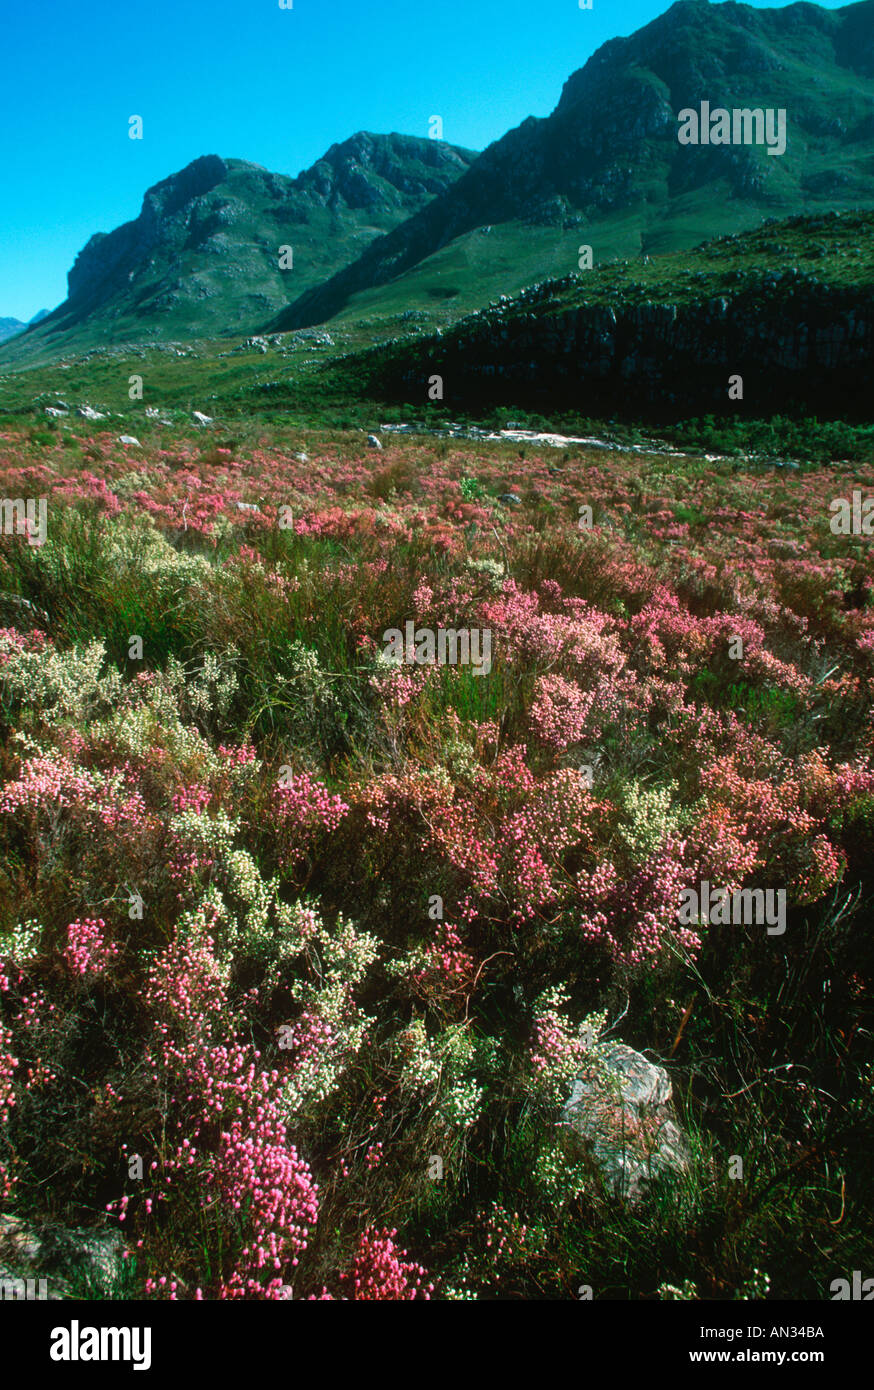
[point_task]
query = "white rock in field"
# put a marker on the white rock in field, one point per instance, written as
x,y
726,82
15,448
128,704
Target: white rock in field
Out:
x,y
248,507
620,1107
373,442
53,411
89,413
202,419
129,439
56,1255
302,458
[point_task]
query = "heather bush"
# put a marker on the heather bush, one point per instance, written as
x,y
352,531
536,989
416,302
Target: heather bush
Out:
x,y
325,940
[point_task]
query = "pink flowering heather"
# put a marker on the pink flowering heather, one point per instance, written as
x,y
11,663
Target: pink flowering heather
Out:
x,y
88,953
293,1034
379,1271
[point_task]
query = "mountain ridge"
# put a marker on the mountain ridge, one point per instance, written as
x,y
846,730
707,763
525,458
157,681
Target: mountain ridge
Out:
x,y
607,161
202,255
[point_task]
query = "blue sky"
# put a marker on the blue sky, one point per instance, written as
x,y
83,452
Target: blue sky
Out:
x,y
245,78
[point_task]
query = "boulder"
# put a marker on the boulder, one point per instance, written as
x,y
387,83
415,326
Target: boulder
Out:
x,y
373,442
620,1112
60,1256
128,439
88,412
201,418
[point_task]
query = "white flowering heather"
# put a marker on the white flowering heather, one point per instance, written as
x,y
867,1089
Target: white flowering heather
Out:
x,y
491,570
310,684
206,839
421,1066
348,952
207,689
559,1177
298,924
61,686
459,755
687,1292
755,1287
22,943
458,1293
140,548
331,1028
207,919
557,1048
136,730
438,1069
651,819
246,885
125,487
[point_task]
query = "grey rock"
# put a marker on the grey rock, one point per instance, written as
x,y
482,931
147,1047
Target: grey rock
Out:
x,y
89,413
201,418
620,1112
57,1255
373,442
128,439
53,411
511,499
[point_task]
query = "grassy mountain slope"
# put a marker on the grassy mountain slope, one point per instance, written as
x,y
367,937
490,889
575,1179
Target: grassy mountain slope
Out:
x,y
606,168
9,327
202,258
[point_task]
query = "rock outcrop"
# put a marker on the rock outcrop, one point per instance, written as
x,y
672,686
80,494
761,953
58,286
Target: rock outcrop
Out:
x,y
57,1262
620,1112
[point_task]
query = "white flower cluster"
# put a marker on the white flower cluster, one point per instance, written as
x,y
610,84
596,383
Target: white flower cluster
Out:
x,y
650,818
157,722
248,887
558,1048
207,690
342,957
138,547
755,1287
687,1291
559,1177
60,686
491,570
22,943
440,1070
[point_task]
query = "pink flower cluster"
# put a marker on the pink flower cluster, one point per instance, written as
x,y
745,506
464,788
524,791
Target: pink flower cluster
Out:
x,y
88,953
379,1271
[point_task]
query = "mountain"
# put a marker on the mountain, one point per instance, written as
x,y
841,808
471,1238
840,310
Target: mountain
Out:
x,y
202,257
9,327
606,167
39,316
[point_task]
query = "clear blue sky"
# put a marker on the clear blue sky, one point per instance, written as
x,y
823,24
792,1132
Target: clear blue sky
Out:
x,y
245,78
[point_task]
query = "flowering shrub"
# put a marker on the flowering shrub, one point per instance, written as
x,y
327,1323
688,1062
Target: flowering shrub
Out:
x,y
311,932
88,953
379,1270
